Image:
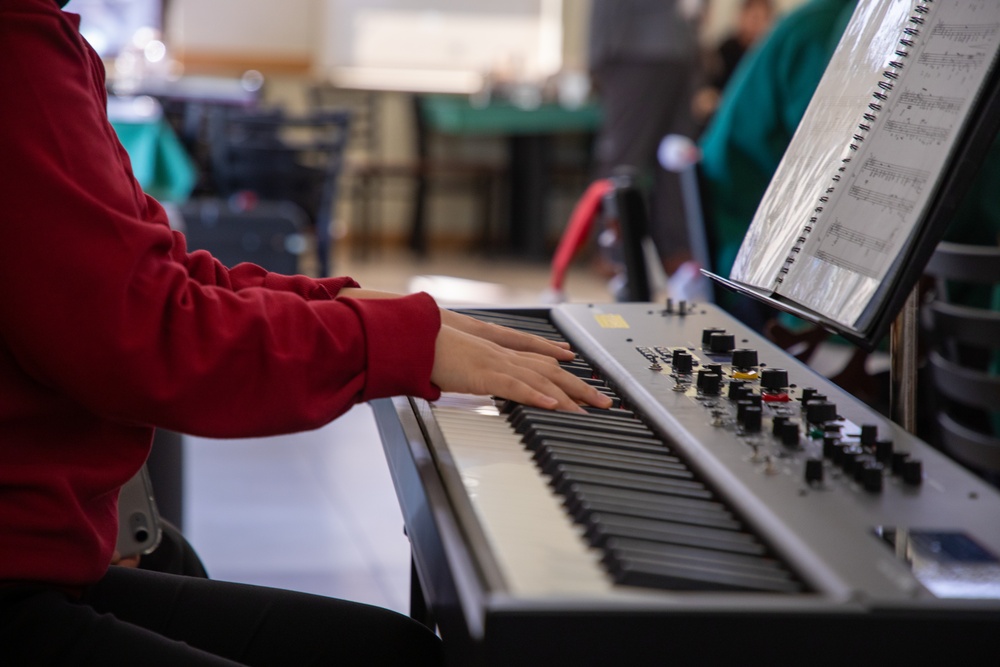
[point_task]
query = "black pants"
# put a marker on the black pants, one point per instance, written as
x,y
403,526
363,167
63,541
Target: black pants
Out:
x,y
642,103
137,617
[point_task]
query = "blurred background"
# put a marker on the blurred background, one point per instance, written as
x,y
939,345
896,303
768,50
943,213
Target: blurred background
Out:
x,y
432,87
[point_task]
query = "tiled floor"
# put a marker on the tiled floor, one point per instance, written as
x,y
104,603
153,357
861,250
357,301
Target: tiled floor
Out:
x,y
316,511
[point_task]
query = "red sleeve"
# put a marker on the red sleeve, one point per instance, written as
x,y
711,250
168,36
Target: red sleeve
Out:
x,y
204,268
102,304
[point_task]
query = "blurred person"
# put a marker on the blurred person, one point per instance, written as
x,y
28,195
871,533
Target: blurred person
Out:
x,y
760,111
110,328
745,141
754,123
644,62
753,21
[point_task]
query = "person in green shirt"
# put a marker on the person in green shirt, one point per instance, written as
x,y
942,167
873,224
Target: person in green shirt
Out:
x,y
759,112
757,116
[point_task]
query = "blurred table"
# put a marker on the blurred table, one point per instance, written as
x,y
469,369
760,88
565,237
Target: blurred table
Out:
x,y
226,90
159,161
529,133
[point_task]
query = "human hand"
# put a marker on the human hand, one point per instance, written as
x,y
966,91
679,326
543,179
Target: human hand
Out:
x,y
124,561
505,336
467,363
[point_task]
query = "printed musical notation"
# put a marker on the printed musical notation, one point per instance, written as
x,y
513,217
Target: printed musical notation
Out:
x,y
839,232
881,199
837,260
953,60
914,73
931,102
918,131
896,173
965,34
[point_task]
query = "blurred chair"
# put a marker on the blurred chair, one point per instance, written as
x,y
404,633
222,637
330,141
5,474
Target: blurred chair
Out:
x,y
964,353
271,234
278,156
619,207
369,169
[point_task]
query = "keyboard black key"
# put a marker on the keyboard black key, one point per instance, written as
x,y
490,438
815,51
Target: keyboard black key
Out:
x,y
604,444
552,457
605,526
618,548
606,419
551,448
568,474
587,508
677,576
535,434
579,492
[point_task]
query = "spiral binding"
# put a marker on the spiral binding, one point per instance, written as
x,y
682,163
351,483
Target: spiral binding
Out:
x,y
879,96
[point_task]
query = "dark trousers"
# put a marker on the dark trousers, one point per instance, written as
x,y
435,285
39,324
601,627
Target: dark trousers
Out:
x,y
642,103
138,617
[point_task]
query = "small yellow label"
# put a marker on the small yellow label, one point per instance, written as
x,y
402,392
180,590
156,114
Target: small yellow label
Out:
x,y
611,321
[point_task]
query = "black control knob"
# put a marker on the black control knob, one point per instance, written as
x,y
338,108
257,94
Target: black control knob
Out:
x,y
682,362
819,412
720,343
869,434
706,335
913,472
790,434
753,418
700,377
814,471
709,383
830,442
807,394
849,459
871,477
735,387
896,462
778,423
744,359
774,379
714,368
883,451
815,398
860,463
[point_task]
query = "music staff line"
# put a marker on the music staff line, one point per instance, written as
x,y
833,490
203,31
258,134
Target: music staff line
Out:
x,y
953,60
917,131
895,173
965,34
836,260
866,241
931,102
876,198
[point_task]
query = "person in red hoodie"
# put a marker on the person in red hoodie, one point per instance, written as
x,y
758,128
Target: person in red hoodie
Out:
x,y
109,328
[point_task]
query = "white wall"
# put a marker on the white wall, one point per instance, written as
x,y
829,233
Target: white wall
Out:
x,y
283,28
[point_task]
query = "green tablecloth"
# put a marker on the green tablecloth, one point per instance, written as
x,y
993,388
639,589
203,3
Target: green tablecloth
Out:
x,y
455,114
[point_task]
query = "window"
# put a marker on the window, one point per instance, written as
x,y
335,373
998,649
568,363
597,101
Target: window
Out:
x,y
111,25
440,45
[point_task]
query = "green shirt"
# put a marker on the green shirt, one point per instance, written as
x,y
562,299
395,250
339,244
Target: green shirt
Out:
x,y
758,113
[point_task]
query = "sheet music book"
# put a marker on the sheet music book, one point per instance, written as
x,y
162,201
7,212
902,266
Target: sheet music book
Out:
x,y
900,120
